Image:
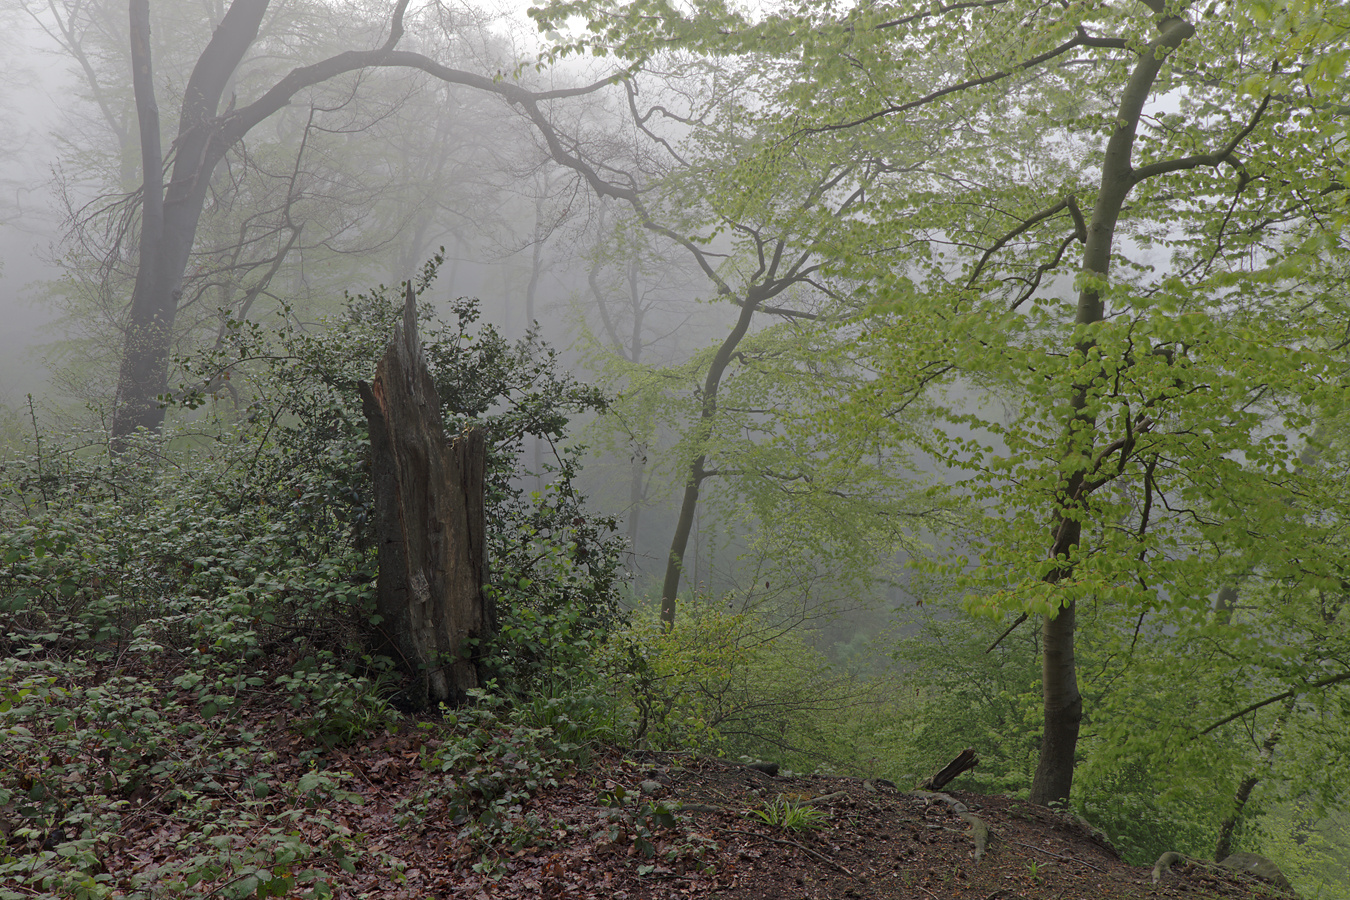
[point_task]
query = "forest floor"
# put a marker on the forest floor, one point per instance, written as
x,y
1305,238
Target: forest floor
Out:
x,y
377,818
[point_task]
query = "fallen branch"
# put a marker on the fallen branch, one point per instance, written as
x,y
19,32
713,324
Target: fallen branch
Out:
x,y
979,831
964,762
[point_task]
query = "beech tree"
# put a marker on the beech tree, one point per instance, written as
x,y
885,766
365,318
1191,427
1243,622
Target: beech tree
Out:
x,y
1119,230
729,407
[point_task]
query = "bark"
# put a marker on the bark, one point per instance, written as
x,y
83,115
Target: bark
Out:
x,y
1062,707
430,525
1062,703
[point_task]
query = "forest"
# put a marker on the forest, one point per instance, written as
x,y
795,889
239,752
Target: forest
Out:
x,y
851,384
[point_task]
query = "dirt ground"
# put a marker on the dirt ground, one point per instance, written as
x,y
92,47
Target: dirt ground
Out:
x,y
872,841
623,826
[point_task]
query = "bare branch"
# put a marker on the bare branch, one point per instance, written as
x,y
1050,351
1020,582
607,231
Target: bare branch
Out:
x,y
1081,39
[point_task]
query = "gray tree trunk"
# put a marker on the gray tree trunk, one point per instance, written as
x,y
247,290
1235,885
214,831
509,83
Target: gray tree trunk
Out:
x,y
679,542
430,525
171,212
1062,704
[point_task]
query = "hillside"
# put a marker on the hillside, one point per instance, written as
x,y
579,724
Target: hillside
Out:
x,y
123,778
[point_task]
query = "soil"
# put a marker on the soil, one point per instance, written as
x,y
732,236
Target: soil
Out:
x,y
630,825
874,842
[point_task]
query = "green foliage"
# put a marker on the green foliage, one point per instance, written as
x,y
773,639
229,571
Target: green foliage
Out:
x,y
556,580
791,815
82,751
260,528
1141,423
944,665
655,832
486,766
554,567
1311,847
335,708
737,684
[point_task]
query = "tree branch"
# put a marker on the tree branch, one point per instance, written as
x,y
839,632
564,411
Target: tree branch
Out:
x,y
1009,630
1026,225
1081,39
1166,166
1285,695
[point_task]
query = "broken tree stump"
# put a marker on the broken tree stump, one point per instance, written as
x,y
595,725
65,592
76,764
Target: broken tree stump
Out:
x,y
966,761
430,527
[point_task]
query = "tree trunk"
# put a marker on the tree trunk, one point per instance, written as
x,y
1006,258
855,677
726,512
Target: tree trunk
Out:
x,y
170,214
679,543
1062,704
1062,708
1224,846
430,523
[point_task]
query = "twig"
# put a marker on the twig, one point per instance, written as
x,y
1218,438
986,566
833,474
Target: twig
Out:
x,y
1055,855
821,856
1020,619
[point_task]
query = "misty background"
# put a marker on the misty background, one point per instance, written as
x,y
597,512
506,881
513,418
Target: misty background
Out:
x,y
427,166
628,225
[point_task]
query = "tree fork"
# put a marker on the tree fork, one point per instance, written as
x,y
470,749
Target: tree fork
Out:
x,y
1062,702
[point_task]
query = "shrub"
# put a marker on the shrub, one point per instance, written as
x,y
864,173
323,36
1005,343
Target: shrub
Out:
x,y
731,684
248,525
143,595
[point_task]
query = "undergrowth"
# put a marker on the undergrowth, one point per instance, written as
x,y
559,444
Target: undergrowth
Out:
x,y
153,601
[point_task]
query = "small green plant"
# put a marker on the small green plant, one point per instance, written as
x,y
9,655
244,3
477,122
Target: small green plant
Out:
x,y
633,818
791,815
485,773
654,831
339,709
83,752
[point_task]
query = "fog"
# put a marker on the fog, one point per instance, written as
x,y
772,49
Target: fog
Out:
x,y
909,330
34,88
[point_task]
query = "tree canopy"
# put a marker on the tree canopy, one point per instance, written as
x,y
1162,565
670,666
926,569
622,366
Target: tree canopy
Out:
x,y
1100,240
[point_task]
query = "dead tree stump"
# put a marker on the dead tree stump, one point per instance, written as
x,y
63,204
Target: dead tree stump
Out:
x,y
430,526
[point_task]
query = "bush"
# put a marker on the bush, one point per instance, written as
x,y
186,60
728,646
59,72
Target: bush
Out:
x,y
142,595
732,684
248,525
485,770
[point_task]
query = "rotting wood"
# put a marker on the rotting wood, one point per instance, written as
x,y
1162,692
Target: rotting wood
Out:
x,y
429,508
979,833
